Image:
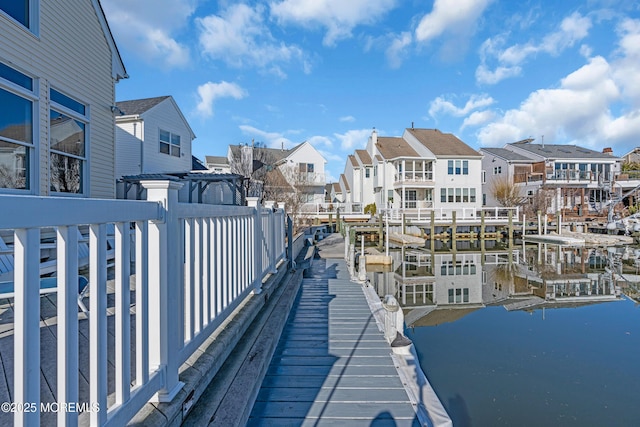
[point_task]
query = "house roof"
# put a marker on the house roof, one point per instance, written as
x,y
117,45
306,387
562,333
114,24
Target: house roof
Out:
x,y
336,187
118,70
217,160
353,161
273,154
443,144
343,178
506,154
364,156
136,107
393,147
563,151
197,165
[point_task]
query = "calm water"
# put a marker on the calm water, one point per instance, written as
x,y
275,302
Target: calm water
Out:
x,y
575,362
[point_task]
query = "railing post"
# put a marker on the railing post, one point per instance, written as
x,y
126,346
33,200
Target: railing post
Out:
x,y
290,241
165,288
273,255
258,244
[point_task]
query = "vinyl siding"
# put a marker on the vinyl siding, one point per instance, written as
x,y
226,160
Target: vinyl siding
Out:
x,y
165,116
72,55
128,144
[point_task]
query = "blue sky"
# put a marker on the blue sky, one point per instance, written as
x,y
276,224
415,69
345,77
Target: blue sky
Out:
x,y
329,71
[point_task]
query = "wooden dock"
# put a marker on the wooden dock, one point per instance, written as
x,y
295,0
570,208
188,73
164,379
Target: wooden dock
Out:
x,y
332,365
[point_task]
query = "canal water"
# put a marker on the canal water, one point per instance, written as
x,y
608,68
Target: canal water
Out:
x,y
536,336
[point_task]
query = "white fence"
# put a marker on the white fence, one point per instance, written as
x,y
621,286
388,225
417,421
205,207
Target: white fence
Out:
x,y
194,264
463,214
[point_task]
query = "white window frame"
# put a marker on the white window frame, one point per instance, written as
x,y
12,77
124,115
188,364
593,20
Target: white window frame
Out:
x,y
83,118
33,18
32,148
170,145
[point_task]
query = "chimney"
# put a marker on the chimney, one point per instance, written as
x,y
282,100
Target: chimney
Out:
x,y
607,150
374,142
411,125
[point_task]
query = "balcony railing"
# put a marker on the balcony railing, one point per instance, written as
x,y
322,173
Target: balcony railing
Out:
x,y
332,208
463,214
418,177
194,264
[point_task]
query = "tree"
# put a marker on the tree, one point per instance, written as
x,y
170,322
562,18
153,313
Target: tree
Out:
x,y
506,192
541,201
254,162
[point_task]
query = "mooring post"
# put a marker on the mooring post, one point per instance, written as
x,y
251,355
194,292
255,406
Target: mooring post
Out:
x,y
510,229
433,229
380,234
454,229
482,226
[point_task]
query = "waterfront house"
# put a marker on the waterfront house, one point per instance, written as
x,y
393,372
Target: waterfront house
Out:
x,y
577,180
421,170
297,172
58,68
217,164
152,136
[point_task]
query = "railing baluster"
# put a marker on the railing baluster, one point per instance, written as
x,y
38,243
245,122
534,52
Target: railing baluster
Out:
x,y
196,259
67,339
189,277
122,310
142,303
98,322
206,268
26,325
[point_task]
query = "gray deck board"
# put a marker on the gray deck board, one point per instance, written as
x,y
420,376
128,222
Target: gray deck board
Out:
x,y
332,365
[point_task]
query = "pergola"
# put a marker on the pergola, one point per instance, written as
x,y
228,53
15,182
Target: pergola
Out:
x,y
197,182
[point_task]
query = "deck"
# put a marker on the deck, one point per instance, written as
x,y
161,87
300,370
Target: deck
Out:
x,y
332,365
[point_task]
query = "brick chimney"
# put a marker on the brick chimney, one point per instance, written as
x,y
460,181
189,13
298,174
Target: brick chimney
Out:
x,y
607,150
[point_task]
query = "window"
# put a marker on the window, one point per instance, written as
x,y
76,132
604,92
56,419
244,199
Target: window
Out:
x,y
460,294
443,195
68,128
16,128
18,10
458,195
458,167
465,195
497,170
169,143
465,167
367,172
450,167
450,192
484,177
472,195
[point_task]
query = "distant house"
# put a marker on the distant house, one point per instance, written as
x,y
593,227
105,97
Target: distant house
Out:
x,y
632,156
423,169
576,180
217,164
298,170
334,193
152,136
58,67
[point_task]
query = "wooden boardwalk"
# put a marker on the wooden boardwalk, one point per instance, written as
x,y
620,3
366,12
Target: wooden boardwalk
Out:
x,y
332,366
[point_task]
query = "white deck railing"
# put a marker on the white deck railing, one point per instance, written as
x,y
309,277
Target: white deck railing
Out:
x,y
194,264
462,214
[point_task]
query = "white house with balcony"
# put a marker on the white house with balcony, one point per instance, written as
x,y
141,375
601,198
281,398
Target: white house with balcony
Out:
x,y
423,169
58,68
579,180
152,136
302,167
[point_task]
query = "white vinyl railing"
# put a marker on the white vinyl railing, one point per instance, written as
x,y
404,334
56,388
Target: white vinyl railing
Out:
x,y
462,214
193,265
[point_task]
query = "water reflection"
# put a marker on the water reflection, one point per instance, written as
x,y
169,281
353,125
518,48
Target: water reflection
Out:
x,y
529,277
533,335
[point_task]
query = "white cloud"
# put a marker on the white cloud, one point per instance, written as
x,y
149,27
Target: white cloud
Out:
x,y
441,105
337,17
627,62
450,17
572,29
478,118
578,110
347,119
210,92
240,37
317,141
148,28
397,50
356,138
271,139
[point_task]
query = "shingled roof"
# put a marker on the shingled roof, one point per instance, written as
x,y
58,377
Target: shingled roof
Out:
x,y
364,156
507,154
442,144
562,151
136,107
393,147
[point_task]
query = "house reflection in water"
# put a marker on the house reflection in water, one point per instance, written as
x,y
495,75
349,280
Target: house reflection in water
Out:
x,y
435,287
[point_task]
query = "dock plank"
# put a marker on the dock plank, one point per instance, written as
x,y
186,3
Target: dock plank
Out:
x,y
332,365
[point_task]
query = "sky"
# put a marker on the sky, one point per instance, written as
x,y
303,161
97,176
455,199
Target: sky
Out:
x,y
491,72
